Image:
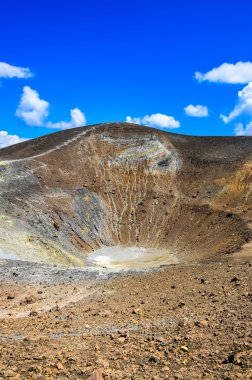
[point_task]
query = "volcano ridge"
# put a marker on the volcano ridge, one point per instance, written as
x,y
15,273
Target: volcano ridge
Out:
x,y
67,194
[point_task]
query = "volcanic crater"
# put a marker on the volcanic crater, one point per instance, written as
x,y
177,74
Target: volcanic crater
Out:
x,y
123,196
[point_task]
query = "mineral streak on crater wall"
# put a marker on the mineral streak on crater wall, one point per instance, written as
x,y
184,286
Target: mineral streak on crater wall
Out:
x,y
130,176
70,193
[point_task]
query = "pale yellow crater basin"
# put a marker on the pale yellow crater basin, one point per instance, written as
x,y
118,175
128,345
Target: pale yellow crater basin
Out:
x,y
130,258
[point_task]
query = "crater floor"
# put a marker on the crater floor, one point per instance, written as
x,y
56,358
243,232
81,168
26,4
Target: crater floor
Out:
x,y
130,258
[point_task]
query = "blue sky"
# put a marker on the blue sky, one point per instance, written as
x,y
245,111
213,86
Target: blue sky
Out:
x,y
107,60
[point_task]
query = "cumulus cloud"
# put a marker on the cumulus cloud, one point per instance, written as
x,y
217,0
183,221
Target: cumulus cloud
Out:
x,y
133,120
160,120
196,111
240,130
9,71
6,139
244,105
32,109
78,119
34,112
240,72
157,120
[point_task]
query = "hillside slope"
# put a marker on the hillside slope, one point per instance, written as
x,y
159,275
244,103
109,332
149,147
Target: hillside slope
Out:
x,y
66,194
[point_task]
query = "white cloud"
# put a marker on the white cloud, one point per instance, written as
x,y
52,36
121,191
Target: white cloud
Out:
x,y
240,72
133,120
9,71
6,139
32,109
156,120
160,120
196,111
78,119
244,104
240,130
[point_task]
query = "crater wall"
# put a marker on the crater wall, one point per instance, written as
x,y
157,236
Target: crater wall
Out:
x,y
68,194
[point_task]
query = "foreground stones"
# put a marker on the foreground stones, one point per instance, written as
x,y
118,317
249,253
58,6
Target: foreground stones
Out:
x,y
185,328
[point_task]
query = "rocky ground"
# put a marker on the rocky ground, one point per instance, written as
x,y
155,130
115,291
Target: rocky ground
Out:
x,y
179,322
